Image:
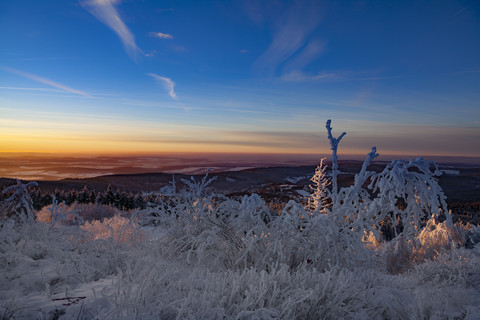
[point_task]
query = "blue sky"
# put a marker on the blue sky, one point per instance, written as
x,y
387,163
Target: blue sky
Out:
x,y
240,76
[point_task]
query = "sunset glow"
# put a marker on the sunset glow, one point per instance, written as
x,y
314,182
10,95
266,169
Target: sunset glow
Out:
x,y
115,77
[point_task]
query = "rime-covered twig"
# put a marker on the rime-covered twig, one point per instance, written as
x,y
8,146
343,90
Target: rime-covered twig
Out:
x,y
362,176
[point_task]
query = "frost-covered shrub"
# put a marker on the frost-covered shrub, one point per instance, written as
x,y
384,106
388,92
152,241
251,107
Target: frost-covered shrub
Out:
x,y
245,294
209,230
17,203
436,237
43,268
55,214
401,199
405,192
301,238
77,212
469,232
117,228
404,196
409,193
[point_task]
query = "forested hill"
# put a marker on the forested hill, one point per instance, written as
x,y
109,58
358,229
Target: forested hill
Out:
x,y
461,183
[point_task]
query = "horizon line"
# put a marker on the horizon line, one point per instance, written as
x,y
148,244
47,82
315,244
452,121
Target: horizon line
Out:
x,y
217,153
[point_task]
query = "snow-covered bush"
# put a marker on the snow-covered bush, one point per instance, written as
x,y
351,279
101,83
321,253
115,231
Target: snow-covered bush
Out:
x,y
300,238
408,193
436,237
59,214
405,196
117,228
17,203
209,230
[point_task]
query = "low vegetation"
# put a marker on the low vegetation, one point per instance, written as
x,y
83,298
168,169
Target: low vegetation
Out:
x,y
383,248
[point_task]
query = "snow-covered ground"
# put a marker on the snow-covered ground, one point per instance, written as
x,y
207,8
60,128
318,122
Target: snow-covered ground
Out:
x,y
113,270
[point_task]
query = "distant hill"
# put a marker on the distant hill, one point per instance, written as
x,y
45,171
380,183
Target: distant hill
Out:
x,y
461,183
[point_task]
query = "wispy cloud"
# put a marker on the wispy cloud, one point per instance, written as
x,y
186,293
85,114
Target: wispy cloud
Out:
x,y
156,104
306,55
161,35
298,76
45,81
460,11
105,12
476,70
292,28
30,89
167,83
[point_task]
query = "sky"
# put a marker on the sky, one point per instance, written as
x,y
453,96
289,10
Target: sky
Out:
x,y
140,77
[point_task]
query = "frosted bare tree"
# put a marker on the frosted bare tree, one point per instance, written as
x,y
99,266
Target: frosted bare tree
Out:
x,y
334,147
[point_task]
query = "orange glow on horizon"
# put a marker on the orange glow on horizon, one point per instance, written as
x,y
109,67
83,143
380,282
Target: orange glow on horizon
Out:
x,y
39,136
74,145
68,145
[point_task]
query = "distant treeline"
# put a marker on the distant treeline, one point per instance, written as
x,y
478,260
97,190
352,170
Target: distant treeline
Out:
x,y
126,201
115,198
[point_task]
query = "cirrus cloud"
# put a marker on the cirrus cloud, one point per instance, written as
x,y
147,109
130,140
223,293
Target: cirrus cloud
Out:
x,y
105,12
45,81
293,27
161,35
167,83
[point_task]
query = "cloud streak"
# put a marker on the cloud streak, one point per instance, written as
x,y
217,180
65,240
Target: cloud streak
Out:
x,y
292,28
167,83
46,81
161,35
31,89
306,55
298,76
105,12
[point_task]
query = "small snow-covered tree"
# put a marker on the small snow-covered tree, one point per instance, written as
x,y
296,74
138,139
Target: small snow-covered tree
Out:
x,y
317,200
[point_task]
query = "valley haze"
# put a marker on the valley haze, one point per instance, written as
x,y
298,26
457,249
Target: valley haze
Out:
x,y
37,166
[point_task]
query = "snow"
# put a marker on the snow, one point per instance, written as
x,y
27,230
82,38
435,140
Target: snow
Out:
x,y
303,193
207,256
294,180
46,274
451,172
